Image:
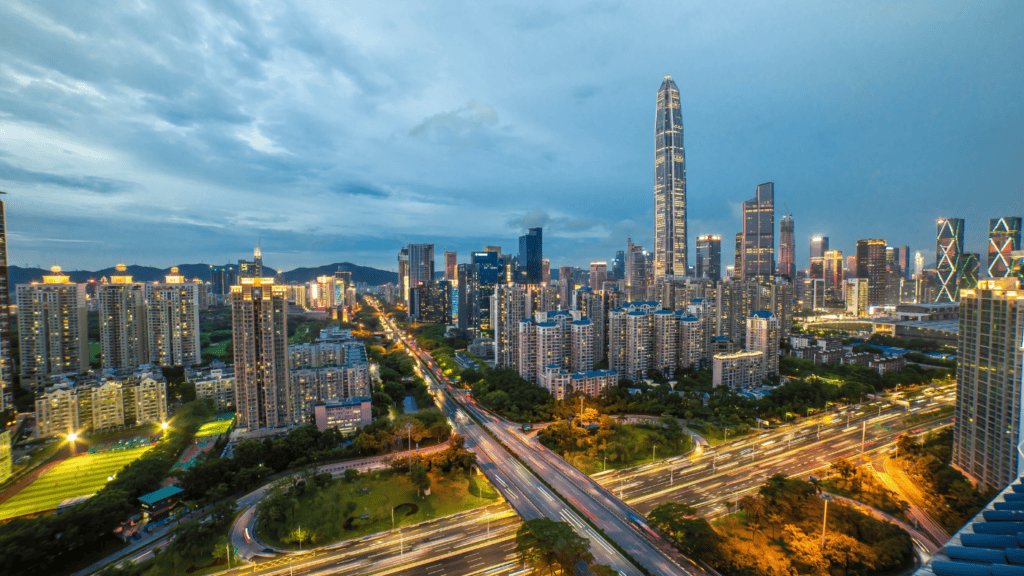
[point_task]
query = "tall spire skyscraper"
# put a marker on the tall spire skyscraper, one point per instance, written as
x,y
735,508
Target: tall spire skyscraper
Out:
x,y
669,185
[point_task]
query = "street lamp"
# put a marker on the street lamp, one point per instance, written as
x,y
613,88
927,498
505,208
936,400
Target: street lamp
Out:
x,y
163,426
827,498
654,449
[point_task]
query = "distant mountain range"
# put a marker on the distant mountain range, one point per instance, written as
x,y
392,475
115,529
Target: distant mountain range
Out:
x,y
371,276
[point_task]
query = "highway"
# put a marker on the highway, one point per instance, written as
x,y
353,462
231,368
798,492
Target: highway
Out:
x,y
521,488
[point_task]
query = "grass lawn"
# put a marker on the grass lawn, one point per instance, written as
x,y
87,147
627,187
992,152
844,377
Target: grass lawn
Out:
x,y
95,352
625,435
374,495
73,477
215,428
217,349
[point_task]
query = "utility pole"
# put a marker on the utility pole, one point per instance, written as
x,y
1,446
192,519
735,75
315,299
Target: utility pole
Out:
x,y
826,498
863,433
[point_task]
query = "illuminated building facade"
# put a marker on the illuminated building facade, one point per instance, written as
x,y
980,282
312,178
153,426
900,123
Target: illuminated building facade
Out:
x,y
970,265
949,249
566,286
758,256
259,323
173,321
450,263
988,424
832,272
421,264
6,361
709,257
52,328
469,299
123,325
403,275
1003,240
871,266
763,337
636,271
819,245
787,247
598,275
670,248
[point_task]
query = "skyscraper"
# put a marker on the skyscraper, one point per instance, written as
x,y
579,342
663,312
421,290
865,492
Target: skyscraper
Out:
x,y
598,275
787,247
669,185
52,328
903,259
819,245
421,264
949,247
173,321
763,336
970,265
545,271
737,268
918,265
469,299
618,266
833,273
450,262
253,269
1003,240
709,257
403,274
871,265
758,257
6,362
122,315
259,326
988,426
531,256
636,271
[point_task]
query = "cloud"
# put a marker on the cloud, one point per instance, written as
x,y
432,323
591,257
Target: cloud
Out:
x,y
457,126
359,190
89,183
534,219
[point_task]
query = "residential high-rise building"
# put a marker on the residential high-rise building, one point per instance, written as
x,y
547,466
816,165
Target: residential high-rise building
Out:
x,y
819,245
531,256
851,266
545,271
871,266
787,248
421,264
903,259
566,286
709,257
173,321
598,275
450,262
1003,240
670,248
52,328
510,305
758,257
123,325
763,337
636,271
990,373
6,361
832,272
949,247
259,323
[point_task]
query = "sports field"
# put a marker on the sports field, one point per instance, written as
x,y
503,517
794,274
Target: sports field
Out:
x,y
219,426
77,476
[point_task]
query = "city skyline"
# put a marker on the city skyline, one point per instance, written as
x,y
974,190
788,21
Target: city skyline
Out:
x,y
226,134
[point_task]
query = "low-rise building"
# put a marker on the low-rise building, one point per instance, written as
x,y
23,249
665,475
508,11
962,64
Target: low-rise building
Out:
x,y
738,370
346,415
101,401
218,385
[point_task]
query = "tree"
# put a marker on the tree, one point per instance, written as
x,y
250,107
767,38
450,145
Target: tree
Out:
x,y
351,474
419,477
546,544
691,536
843,467
603,570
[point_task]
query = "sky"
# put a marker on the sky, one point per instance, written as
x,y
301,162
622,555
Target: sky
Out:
x,y
187,132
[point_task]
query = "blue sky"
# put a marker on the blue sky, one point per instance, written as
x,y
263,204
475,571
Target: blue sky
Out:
x,y
181,132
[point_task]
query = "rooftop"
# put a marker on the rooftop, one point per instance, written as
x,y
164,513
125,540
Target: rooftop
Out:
x,y
165,492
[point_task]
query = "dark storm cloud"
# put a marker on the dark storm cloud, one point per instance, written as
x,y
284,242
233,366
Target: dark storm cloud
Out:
x,y
230,119
11,173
